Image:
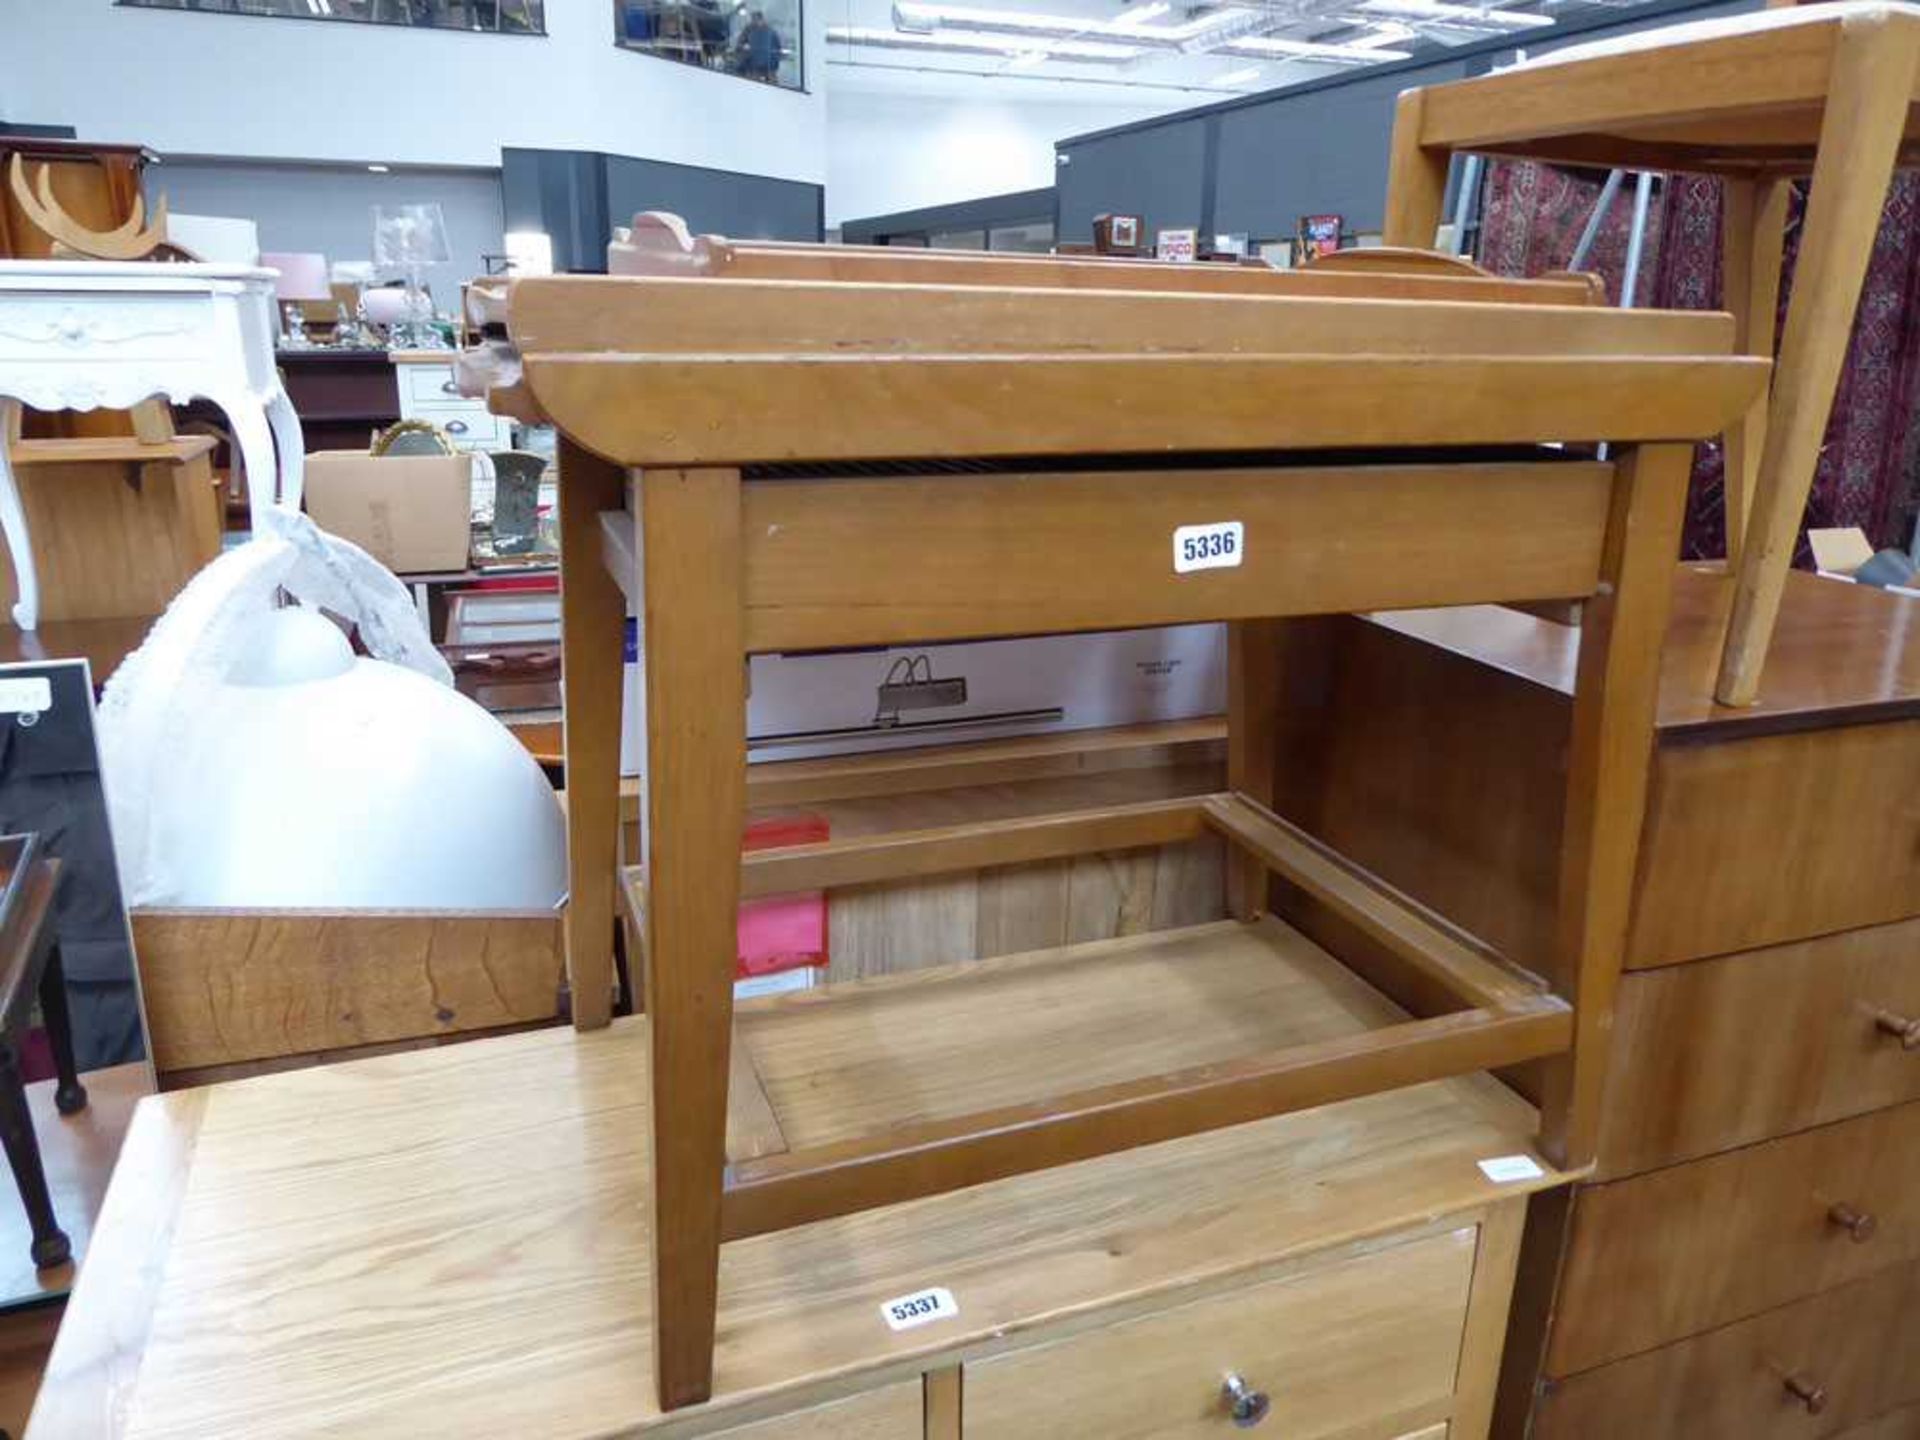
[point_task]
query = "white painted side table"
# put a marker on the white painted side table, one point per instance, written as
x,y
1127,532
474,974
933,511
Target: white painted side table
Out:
x,y
82,335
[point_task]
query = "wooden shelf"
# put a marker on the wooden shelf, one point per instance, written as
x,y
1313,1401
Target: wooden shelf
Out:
x,y
853,1059
1240,1061
109,448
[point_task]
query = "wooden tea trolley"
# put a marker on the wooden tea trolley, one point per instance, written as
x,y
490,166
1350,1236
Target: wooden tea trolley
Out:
x,y
1042,446
1826,90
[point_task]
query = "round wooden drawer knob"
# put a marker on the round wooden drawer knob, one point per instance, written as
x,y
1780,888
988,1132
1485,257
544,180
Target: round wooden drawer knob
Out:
x,y
1906,1031
1247,1406
1859,1224
1813,1397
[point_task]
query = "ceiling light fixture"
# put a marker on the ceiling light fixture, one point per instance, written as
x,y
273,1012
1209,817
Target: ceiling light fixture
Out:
x,y
1466,17
1266,46
1143,14
1235,77
379,169
1027,60
1135,28
1006,47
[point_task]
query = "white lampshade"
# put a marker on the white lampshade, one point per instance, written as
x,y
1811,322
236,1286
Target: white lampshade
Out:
x,y
303,276
339,782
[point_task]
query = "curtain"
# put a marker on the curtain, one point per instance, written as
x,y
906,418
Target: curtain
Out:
x,y
1869,468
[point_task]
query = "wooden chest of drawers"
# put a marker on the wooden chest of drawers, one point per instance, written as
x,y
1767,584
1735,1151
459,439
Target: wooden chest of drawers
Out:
x,y
453,1241
1743,1262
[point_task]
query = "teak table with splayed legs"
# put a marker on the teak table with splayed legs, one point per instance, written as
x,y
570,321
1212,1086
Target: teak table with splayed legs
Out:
x,y
1825,90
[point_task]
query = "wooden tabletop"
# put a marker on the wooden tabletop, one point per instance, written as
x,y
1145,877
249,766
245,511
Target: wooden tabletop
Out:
x,y
1841,653
453,1241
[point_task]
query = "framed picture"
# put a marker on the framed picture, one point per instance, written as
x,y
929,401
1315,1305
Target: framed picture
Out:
x,y
1319,235
1116,234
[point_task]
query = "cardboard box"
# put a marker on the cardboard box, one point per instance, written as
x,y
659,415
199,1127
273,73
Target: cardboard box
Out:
x,y
412,513
844,702
1843,554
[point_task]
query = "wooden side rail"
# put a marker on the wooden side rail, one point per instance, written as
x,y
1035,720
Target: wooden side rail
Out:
x,y
909,854
755,409
1441,951
774,1192
652,319
941,850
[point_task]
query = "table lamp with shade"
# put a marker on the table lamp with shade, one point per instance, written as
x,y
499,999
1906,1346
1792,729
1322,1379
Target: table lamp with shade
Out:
x,y
302,277
408,238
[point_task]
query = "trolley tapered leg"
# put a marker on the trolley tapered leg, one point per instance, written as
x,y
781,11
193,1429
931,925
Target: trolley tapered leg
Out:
x,y
1616,691
592,617
693,647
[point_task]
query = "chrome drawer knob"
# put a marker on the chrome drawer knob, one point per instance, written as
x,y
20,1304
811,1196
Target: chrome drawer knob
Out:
x,y
1247,1406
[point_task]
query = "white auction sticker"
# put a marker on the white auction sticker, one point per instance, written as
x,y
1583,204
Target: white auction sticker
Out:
x,y
1504,1169
1208,547
920,1308
26,694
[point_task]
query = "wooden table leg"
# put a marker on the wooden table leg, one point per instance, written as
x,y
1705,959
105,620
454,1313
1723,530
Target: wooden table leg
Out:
x,y
70,1096
592,630
1753,233
1253,699
1872,82
1416,180
1615,693
50,1244
695,812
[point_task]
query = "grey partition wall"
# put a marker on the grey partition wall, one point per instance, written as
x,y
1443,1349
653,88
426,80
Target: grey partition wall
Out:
x,y
578,196
1255,165
1018,207
1162,172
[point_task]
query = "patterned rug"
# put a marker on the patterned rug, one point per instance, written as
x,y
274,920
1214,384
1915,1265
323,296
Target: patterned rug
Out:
x,y
1869,468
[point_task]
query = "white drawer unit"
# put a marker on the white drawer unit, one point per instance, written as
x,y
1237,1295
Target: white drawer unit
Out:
x,y
428,392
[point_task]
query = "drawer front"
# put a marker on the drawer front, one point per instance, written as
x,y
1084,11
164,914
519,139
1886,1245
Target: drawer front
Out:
x,y
1775,839
1346,1349
470,424
1856,1348
893,1412
1681,1250
1746,1047
430,385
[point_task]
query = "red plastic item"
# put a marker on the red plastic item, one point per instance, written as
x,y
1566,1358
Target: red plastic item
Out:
x,y
783,932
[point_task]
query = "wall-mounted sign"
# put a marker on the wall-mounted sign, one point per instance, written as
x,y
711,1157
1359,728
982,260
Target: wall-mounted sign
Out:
x,y
1116,234
1319,235
1177,244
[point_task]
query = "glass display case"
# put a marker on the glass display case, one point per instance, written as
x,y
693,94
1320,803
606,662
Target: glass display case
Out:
x,y
754,39
507,17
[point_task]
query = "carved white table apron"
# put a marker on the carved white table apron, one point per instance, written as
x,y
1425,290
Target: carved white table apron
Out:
x,y
81,335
